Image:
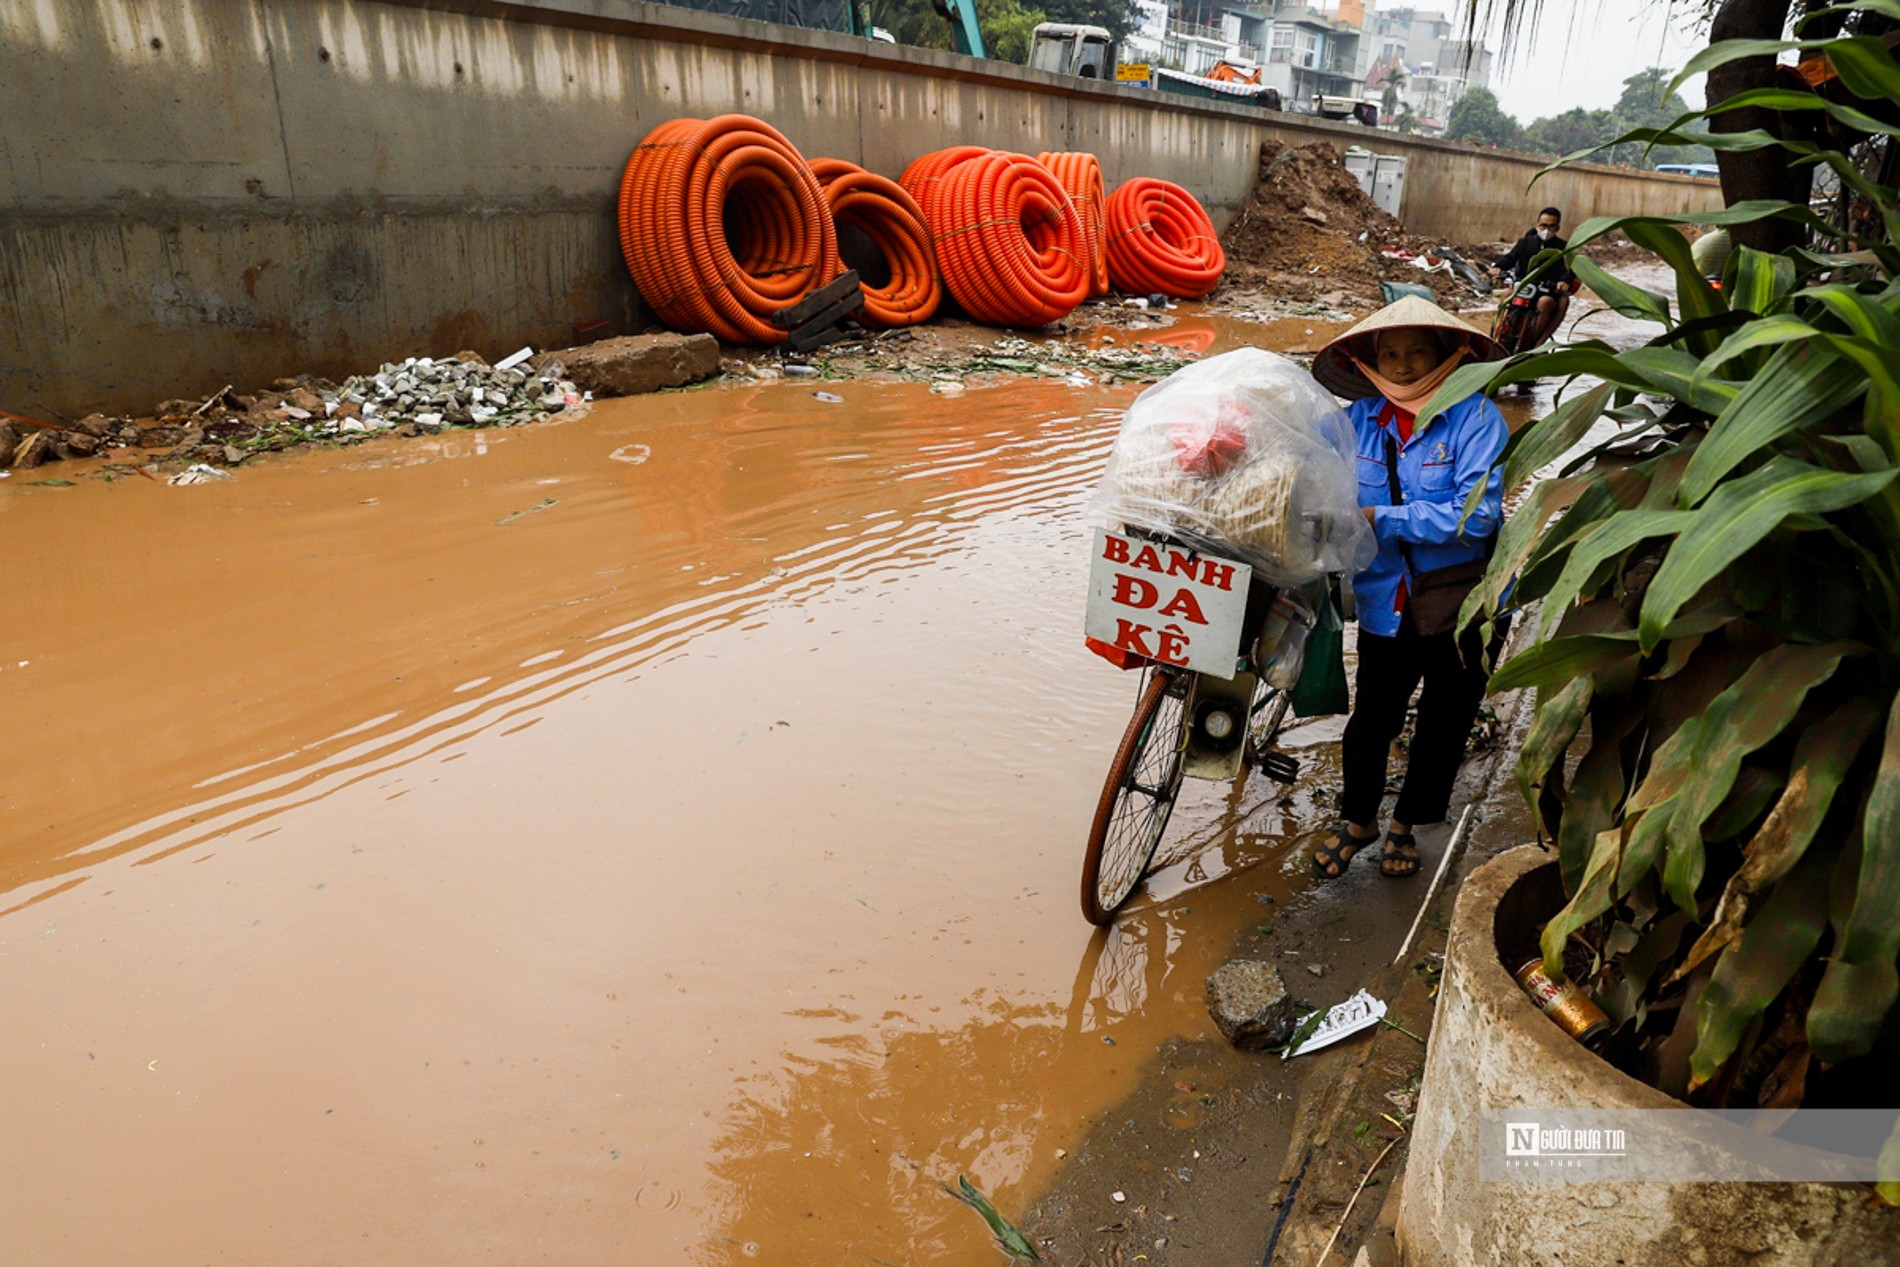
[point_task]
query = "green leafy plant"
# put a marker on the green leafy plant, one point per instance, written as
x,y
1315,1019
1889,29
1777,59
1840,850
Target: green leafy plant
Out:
x,y
1714,593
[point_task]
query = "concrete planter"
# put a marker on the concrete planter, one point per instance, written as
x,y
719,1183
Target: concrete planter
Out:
x,y
1492,1048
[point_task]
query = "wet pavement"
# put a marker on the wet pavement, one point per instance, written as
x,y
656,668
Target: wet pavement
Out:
x,y
652,836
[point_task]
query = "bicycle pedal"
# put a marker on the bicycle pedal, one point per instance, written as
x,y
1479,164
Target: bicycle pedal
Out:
x,y
1280,767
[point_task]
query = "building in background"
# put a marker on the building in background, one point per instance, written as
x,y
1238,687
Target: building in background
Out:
x,y
1305,52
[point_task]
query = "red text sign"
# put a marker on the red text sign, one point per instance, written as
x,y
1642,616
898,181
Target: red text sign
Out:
x,y
1167,603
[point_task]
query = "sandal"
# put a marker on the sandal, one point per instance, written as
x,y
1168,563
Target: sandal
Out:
x,y
1330,861
1400,858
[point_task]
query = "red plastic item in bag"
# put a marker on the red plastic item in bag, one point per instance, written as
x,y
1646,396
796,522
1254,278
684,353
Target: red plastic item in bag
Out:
x,y
1208,447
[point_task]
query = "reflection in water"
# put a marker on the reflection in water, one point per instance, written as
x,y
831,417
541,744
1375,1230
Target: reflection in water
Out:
x,y
845,1159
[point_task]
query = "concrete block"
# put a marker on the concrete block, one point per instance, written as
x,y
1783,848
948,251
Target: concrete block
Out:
x,y
1249,1004
638,363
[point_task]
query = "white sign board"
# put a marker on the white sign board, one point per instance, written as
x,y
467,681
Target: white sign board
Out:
x,y
1167,603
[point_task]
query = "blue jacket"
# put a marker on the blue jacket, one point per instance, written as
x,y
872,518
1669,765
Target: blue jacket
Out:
x,y
1438,468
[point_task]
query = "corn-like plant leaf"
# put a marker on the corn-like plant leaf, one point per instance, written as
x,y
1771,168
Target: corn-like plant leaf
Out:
x,y
1596,788
1757,281
1767,332
1801,385
1555,724
1629,300
1613,491
1737,516
1883,386
1758,707
1545,441
1752,972
1673,371
1787,100
1659,941
1887,1165
1465,382
1559,660
1822,758
1607,541
1592,897
1515,540
1861,981
1012,1241
1864,317
1694,295
1866,68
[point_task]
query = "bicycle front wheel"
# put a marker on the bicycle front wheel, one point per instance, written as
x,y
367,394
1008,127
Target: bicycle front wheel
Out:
x,y
1143,781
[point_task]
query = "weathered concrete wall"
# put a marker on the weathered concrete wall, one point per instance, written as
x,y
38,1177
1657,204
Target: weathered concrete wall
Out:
x,y
196,192
1492,1049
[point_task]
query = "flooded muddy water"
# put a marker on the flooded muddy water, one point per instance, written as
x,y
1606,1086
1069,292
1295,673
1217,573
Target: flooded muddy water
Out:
x,y
651,837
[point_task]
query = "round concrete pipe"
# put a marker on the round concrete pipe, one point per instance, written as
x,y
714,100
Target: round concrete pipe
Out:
x,y
1492,1049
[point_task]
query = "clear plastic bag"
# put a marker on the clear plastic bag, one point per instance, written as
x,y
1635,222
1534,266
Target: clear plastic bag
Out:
x,y
1246,453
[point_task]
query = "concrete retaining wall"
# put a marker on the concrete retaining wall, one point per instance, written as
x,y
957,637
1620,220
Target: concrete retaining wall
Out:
x,y
197,192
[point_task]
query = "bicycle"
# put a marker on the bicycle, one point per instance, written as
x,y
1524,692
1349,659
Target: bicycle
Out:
x,y
1191,723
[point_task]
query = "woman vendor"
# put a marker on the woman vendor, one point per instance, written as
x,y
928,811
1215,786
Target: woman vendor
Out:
x,y
1414,480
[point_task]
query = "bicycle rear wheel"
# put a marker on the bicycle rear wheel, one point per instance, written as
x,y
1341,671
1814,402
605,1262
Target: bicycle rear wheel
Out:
x,y
1143,781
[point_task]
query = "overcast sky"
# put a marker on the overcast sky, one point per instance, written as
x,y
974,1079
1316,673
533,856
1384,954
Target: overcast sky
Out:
x,y
1581,51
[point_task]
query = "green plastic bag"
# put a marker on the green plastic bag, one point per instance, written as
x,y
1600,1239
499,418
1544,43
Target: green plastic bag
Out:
x,y
1322,689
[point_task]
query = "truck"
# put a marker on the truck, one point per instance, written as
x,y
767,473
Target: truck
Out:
x,y
1066,48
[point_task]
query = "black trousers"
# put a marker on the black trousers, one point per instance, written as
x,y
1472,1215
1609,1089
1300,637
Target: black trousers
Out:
x,y
1390,669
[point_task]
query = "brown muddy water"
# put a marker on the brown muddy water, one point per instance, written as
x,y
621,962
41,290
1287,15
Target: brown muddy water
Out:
x,y
651,838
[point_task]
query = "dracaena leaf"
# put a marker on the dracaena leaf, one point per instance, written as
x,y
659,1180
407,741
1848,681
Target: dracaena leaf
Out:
x,y
1758,281
1861,981
1822,757
1801,385
1737,516
1754,971
1621,296
1554,725
1750,713
1560,660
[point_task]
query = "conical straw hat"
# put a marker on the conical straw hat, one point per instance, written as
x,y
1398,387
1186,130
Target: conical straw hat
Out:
x,y
1333,366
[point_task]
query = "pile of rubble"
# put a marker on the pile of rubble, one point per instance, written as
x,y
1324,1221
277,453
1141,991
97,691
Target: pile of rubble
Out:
x,y
413,397
1309,233
456,392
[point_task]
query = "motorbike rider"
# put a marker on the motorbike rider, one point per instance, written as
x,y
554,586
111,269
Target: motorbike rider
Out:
x,y
1553,295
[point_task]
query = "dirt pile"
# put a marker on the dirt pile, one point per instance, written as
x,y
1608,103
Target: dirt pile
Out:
x,y
1308,231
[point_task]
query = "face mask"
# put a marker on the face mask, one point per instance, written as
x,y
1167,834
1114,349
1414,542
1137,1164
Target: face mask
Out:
x,y
1543,235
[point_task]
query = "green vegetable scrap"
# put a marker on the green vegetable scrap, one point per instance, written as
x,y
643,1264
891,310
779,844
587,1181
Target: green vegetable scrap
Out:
x,y
1012,1241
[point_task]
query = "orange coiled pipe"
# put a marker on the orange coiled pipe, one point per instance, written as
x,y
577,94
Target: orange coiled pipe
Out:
x,y
1161,242
1081,175
722,224
1009,241
880,209
923,180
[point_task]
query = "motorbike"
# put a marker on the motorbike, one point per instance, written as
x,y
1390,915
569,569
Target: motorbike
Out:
x,y
1517,321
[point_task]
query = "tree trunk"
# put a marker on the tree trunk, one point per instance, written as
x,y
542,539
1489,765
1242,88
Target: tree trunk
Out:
x,y
1757,173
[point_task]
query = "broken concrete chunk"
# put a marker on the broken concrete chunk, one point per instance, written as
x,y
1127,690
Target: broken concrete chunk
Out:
x,y
33,450
637,363
9,441
1249,1004
98,426
82,444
